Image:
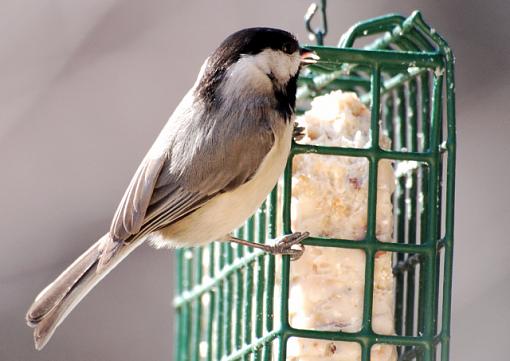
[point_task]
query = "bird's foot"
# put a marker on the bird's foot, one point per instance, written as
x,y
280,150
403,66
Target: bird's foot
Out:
x,y
284,245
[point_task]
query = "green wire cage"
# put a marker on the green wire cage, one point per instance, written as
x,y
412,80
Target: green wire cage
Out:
x,y
226,303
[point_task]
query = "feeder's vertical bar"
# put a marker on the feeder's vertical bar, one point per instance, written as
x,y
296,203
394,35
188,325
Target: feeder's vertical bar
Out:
x,y
197,310
287,196
248,296
239,233
375,82
429,351
287,229
179,330
445,349
282,347
238,331
424,174
425,98
212,304
439,200
430,276
273,204
411,213
187,281
259,306
375,86
450,201
365,351
389,117
220,304
399,142
375,107
250,230
229,299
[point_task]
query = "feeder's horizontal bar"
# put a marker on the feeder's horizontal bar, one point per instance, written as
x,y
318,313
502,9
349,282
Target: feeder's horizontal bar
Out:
x,y
342,81
365,245
412,353
238,264
365,338
426,157
395,82
254,346
339,56
328,77
209,284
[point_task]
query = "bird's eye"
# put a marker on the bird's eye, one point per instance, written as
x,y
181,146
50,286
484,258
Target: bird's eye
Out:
x,y
286,49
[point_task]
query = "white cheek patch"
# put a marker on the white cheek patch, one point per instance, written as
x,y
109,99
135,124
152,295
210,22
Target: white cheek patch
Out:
x,y
246,75
283,66
250,72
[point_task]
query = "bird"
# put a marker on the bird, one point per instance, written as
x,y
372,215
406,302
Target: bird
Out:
x,y
214,162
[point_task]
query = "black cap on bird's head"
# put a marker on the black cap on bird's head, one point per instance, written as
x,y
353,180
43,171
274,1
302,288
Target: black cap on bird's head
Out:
x,y
254,42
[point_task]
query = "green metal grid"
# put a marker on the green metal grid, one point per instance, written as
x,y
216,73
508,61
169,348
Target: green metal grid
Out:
x,y
225,298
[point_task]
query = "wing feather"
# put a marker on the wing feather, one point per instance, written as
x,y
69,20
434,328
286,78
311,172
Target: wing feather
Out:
x,y
130,213
213,157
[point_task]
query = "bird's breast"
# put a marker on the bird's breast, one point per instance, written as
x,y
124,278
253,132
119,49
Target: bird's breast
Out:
x,y
227,211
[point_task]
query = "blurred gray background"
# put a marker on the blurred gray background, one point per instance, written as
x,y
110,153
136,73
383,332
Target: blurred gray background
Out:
x,y
86,86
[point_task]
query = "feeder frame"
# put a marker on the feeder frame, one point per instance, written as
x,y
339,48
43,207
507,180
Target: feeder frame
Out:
x,y
225,296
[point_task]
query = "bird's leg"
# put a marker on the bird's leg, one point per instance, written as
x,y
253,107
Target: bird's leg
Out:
x,y
283,244
298,132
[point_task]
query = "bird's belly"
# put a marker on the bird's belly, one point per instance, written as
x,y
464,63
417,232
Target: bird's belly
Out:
x,y
229,210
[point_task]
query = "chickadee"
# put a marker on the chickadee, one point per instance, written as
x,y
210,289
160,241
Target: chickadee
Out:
x,y
213,164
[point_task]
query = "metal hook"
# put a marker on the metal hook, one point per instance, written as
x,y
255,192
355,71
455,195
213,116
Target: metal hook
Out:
x,y
319,33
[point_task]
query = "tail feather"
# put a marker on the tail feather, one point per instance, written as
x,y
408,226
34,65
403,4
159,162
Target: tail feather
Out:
x,y
58,299
53,294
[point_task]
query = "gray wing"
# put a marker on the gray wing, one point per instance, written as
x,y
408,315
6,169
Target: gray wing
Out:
x,y
205,156
130,214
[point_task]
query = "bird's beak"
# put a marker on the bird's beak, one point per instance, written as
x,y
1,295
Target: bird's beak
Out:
x,y
308,56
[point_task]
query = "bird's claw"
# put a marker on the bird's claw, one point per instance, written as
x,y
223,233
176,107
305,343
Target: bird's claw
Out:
x,y
285,243
298,132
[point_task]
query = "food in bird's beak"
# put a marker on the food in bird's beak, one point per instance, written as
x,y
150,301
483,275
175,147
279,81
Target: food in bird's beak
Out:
x,y
330,199
308,56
